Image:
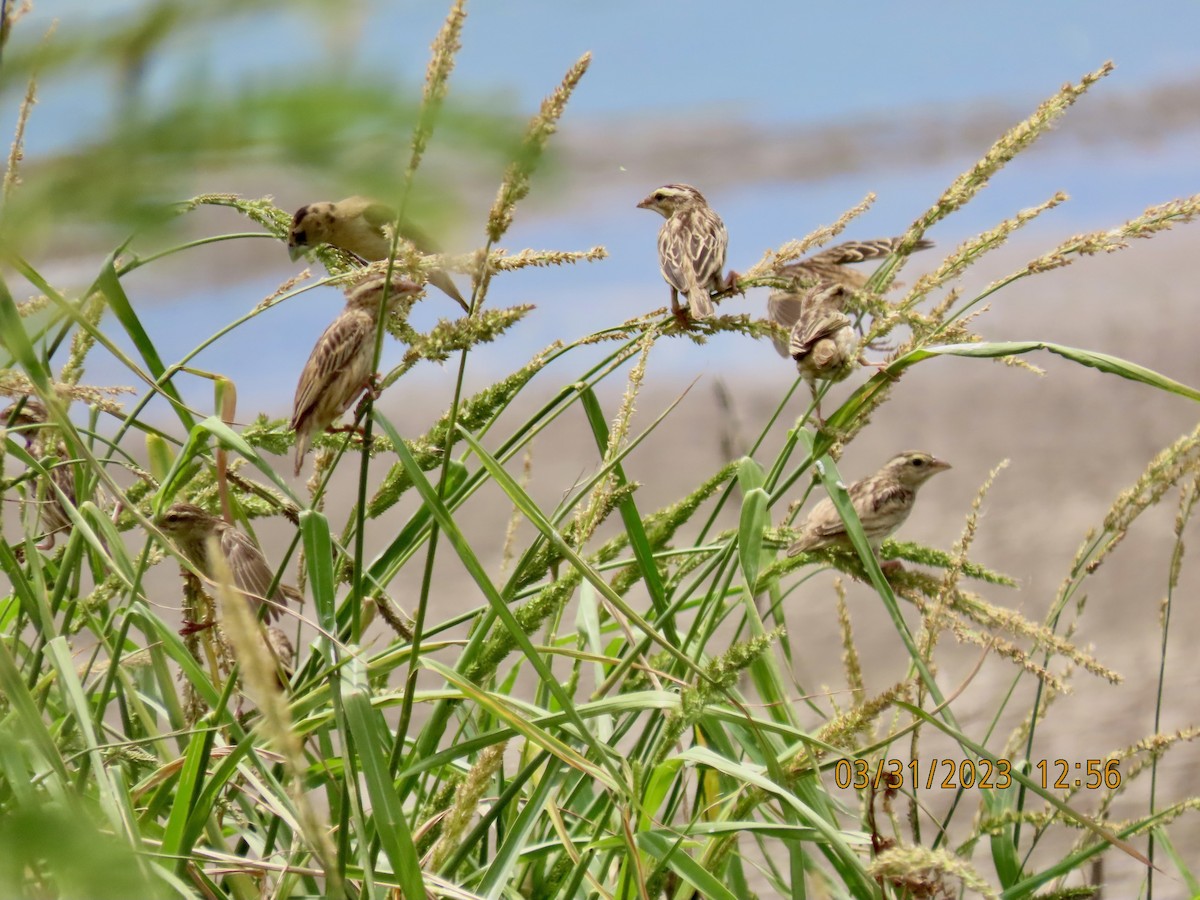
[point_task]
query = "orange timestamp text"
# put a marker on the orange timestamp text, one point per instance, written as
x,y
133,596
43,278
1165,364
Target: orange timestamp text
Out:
x,y
955,774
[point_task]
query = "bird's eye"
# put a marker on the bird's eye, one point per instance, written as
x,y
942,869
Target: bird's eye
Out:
x,y
918,462
300,237
659,195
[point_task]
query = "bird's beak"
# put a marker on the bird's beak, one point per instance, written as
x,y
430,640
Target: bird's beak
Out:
x,y
295,251
647,203
939,464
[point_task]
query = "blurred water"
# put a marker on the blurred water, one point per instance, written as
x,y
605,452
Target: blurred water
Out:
x,y
775,61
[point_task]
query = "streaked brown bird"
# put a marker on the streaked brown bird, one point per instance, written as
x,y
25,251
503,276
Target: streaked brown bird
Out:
x,y
691,248
285,655
52,515
339,367
882,502
823,341
190,527
831,267
362,226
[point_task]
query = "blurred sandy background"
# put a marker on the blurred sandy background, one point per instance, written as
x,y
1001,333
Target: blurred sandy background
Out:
x,y
786,118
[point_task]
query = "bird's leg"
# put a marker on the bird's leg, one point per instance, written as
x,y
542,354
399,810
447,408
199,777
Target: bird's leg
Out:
x,y
679,312
817,408
372,390
731,284
891,566
881,366
47,542
196,627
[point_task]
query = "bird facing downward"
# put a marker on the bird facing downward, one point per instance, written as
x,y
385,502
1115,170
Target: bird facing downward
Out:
x,y
691,247
882,502
363,227
190,527
340,364
823,341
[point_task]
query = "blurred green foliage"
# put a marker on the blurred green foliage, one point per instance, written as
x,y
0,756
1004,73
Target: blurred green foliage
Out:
x,y
343,129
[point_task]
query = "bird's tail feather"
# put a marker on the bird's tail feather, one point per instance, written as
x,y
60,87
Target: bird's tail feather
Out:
x,y
441,280
700,305
301,451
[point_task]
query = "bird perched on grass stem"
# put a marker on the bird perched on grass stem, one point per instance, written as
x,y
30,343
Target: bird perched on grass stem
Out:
x,y
339,367
823,341
691,248
882,502
830,267
363,227
52,514
190,527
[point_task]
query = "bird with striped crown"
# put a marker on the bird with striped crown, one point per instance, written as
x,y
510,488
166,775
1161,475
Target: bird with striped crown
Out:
x,y
691,248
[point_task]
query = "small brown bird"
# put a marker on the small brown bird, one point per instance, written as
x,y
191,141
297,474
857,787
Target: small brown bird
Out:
x,y
52,514
823,341
285,655
691,248
882,503
339,367
363,227
190,527
829,266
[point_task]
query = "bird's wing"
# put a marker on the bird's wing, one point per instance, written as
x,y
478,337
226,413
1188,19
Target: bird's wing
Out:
x,y
709,241
418,238
824,520
378,215
673,257
783,308
692,249
858,251
383,217
815,324
889,496
340,343
251,574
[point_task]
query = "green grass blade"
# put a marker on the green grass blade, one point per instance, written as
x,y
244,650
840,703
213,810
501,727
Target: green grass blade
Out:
x,y
455,536
176,841
16,341
752,524
28,724
1111,365
832,838
197,443
318,554
524,724
526,505
668,851
630,516
109,284
370,737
